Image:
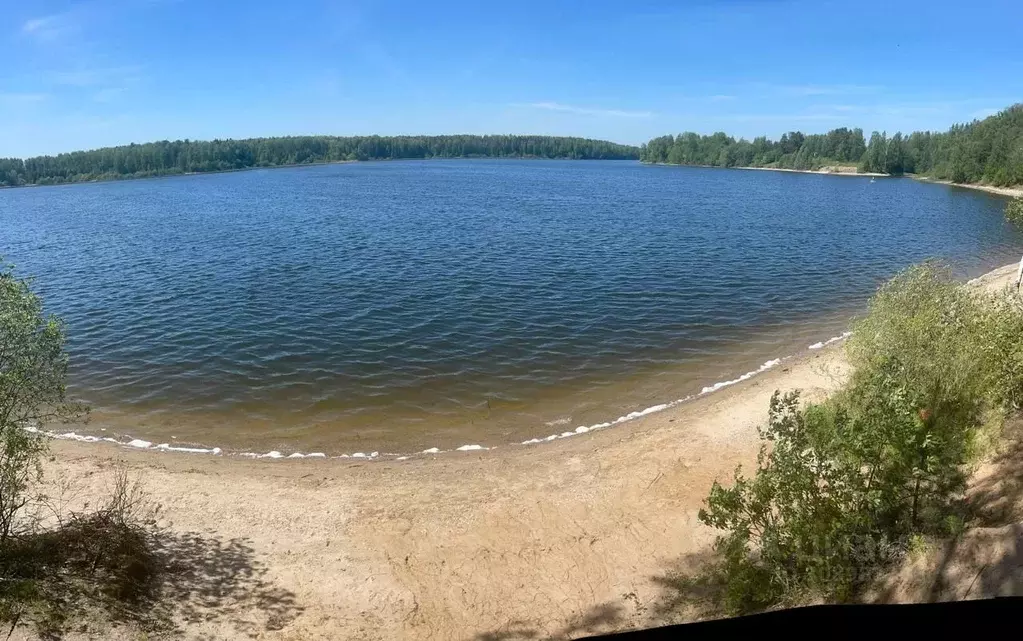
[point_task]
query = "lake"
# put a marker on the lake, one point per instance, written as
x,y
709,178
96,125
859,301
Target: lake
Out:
x,y
399,306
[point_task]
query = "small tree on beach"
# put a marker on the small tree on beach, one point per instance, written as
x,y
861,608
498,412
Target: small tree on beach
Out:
x,y
33,391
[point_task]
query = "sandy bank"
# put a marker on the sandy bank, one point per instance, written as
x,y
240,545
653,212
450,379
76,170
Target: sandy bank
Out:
x,y
1003,191
560,539
827,171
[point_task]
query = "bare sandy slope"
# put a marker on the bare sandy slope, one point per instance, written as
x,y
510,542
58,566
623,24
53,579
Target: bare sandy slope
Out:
x,y
543,541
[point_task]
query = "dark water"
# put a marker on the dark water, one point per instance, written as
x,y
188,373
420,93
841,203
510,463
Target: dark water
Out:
x,y
401,305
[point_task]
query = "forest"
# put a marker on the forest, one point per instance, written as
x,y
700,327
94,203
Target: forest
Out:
x,y
192,156
983,151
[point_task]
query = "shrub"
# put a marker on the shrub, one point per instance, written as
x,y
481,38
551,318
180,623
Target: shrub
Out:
x,y
842,488
1014,211
929,332
102,562
33,391
804,522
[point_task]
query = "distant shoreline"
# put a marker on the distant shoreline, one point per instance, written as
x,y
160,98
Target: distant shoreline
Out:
x,y
824,171
292,166
178,174
1016,191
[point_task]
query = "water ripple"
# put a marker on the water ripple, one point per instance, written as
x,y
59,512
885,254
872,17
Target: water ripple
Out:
x,y
442,302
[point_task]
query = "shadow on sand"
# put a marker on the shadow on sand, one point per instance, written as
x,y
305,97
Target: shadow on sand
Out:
x,y
97,571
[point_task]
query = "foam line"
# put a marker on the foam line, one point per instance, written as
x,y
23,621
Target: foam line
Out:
x,y
821,344
748,375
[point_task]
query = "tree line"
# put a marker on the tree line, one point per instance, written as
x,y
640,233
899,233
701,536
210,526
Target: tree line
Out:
x,y
988,150
795,150
193,156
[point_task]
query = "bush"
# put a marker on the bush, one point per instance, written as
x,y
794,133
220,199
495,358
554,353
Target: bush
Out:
x,y
104,561
931,331
804,523
1014,211
1004,348
33,391
842,488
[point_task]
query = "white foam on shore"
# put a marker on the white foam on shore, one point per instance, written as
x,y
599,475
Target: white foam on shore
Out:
x,y
583,429
748,375
822,344
165,447
631,416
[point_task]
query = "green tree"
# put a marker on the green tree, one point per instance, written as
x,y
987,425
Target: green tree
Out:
x,y
33,392
987,151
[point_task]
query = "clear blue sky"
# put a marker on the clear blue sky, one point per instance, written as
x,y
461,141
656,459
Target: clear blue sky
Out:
x,y
91,73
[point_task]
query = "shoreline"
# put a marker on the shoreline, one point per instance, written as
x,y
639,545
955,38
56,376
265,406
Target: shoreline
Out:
x,y
824,171
132,442
465,546
991,189
1016,191
289,166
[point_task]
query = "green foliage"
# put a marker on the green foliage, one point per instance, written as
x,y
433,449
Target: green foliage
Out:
x,y
793,151
983,151
952,348
801,524
843,487
930,330
1014,211
1004,351
184,156
33,391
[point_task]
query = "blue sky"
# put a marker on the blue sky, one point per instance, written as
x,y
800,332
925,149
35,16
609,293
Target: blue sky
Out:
x,y
91,73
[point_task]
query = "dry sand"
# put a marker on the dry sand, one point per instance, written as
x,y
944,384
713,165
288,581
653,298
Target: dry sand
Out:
x,y
553,540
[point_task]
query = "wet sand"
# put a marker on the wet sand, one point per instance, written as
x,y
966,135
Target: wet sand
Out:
x,y
558,539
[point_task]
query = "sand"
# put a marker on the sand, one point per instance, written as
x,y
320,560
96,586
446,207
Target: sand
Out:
x,y
553,540
839,170
1002,191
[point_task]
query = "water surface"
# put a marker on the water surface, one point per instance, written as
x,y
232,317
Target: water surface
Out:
x,y
394,306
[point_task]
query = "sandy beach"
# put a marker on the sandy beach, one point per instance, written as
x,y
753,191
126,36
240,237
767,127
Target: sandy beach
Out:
x,y
554,540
